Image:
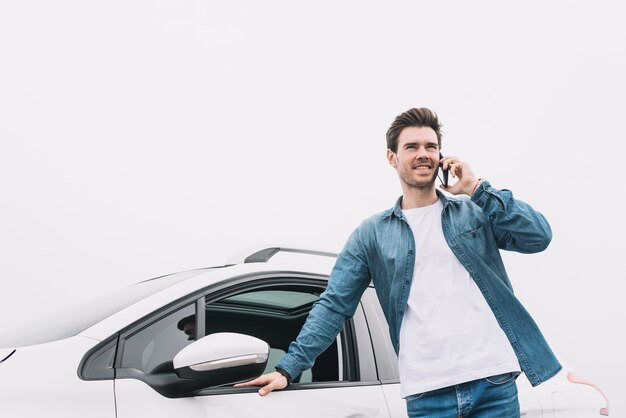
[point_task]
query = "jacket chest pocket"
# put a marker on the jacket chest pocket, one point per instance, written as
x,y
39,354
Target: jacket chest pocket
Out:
x,y
478,239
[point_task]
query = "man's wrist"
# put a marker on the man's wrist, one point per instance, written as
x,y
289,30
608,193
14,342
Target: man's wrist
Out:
x,y
477,184
285,374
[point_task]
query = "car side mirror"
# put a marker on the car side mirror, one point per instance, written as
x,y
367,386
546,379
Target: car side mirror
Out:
x,y
222,358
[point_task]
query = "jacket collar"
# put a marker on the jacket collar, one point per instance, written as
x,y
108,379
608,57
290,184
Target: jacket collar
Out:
x,y
397,208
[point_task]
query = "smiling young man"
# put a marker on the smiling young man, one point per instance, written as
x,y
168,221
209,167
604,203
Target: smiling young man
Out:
x,y
461,335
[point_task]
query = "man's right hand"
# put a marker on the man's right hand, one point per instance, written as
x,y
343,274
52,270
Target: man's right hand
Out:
x,y
269,382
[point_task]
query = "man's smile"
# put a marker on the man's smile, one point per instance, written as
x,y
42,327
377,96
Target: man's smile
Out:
x,y
423,167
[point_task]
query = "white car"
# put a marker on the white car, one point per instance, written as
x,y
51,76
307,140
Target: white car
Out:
x,y
173,346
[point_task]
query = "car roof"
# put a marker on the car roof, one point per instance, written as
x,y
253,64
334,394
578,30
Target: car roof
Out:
x,y
257,264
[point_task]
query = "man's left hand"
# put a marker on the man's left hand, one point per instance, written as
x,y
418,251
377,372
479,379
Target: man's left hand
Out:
x,y
463,172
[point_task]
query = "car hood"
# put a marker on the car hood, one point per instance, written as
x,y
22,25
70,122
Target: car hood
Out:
x,y
5,353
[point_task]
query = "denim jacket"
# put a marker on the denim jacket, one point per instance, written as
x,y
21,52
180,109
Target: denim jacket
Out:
x,y
382,250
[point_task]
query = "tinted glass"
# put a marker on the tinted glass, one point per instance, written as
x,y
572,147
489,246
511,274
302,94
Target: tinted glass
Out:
x,y
275,316
153,348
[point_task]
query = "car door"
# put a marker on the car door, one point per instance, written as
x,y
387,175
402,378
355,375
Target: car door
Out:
x,y
342,383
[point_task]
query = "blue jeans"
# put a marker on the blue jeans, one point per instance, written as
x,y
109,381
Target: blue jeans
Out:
x,y
493,397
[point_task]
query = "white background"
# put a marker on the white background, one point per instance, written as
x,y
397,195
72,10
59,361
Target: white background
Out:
x,y
139,138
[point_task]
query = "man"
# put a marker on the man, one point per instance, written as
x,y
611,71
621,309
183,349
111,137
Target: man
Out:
x,y
461,335
188,326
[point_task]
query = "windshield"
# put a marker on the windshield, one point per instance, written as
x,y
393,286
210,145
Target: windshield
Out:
x,y
71,321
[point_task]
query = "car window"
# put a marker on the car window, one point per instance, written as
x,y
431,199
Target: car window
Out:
x,y
152,349
275,316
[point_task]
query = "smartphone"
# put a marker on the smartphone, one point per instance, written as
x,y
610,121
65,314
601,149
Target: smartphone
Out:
x,y
444,173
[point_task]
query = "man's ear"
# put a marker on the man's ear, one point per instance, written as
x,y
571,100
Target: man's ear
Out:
x,y
392,158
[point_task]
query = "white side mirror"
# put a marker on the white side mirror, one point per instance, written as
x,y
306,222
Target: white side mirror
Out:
x,y
222,358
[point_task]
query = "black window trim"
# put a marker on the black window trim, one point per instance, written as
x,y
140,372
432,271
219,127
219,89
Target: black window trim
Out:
x,y
87,370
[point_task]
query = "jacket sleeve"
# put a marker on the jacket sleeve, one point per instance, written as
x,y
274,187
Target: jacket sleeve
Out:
x,y
348,280
515,224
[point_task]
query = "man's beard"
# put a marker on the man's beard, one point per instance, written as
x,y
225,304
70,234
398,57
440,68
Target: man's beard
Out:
x,y
420,184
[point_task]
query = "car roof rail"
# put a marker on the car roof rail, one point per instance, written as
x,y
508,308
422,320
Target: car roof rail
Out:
x,y
263,254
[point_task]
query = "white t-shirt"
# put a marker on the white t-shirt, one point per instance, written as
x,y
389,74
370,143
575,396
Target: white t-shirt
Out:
x,y
449,335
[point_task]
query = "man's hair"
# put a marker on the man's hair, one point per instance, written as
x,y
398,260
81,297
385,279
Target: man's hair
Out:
x,y
419,117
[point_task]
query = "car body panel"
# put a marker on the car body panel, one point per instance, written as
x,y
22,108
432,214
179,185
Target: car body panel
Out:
x,y
137,400
42,380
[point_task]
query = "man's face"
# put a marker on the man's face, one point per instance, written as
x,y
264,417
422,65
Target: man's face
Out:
x,y
417,157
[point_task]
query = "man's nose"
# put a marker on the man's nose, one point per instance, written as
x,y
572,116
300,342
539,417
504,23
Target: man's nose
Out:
x,y
421,152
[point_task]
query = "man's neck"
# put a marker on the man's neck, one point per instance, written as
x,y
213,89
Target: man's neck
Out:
x,y
418,197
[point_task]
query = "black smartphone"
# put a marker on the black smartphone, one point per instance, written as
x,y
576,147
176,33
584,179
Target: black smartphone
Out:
x,y
444,173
